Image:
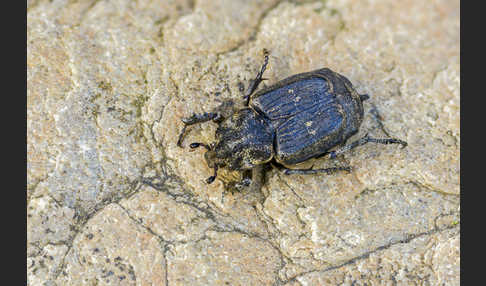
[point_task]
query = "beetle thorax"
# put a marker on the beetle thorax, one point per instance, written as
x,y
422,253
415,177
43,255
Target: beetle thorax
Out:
x,y
242,141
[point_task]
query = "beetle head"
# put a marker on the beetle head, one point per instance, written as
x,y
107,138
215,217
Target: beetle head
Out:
x,y
243,141
212,160
224,154
218,158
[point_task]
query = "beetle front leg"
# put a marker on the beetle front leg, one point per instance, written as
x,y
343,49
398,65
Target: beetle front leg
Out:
x,y
258,79
257,177
198,118
364,140
253,183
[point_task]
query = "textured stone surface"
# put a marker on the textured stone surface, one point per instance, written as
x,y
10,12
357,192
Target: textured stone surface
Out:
x,y
223,259
112,249
113,201
420,260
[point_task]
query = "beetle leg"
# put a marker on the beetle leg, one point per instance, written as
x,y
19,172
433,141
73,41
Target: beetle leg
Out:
x,y
363,141
197,144
257,177
243,184
213,177
378,118
316,171
364,97
258,79
203,117
198,118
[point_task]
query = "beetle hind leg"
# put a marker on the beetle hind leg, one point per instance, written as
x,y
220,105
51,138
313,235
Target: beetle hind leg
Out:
x,y
364,140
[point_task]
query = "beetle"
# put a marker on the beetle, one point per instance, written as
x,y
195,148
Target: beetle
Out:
x,y
298,118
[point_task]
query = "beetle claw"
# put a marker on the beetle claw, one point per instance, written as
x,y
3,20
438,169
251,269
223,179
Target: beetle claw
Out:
x,y
213,177
194,145
364,97
332,155
403,143
210,179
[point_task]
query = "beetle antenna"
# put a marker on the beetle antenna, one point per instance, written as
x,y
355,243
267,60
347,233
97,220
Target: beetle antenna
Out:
x,y
212,178
364,97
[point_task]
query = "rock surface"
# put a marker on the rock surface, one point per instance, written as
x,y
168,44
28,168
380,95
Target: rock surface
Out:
x,y
113,201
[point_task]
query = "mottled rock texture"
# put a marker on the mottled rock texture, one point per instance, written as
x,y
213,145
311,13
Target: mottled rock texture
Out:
x,y
113,201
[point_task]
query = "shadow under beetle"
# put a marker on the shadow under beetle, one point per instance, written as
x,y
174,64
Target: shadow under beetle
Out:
x,y
298,118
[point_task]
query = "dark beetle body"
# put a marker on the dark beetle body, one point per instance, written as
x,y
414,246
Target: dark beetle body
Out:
x,y
296,119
